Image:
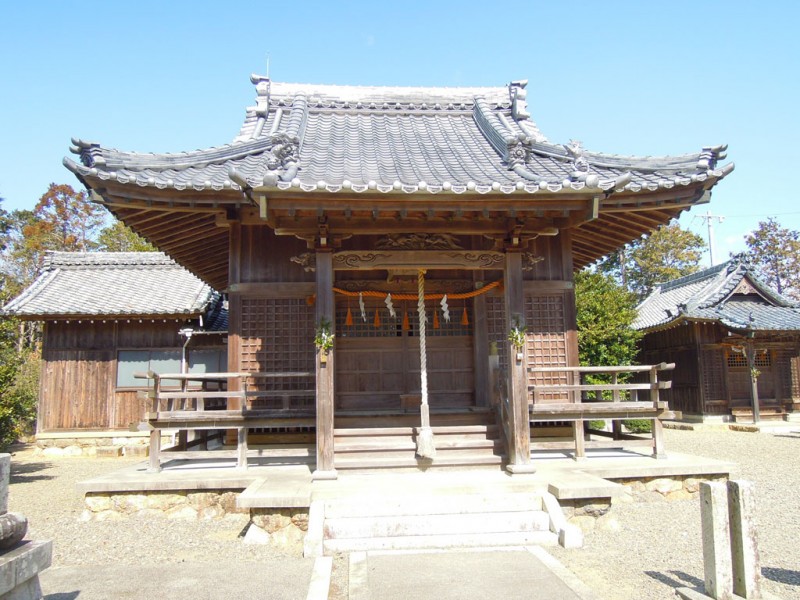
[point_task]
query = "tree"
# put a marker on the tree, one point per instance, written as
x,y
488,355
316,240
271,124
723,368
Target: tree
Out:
x,y
775,253
605,312
667,253
118,237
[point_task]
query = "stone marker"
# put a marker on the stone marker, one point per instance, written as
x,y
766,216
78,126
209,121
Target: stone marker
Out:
x,y
20,562
744,540
716,541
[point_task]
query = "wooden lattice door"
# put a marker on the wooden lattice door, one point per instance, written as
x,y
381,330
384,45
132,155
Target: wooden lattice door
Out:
x,y
378,362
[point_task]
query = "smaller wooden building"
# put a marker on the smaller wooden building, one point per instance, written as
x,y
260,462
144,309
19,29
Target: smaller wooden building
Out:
x,y
734,340
106,316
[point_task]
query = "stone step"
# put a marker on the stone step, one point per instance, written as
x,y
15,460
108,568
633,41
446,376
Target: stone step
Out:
x,y
427,525
422,542
445,503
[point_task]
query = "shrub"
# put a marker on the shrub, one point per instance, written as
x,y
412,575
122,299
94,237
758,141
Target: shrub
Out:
x,y
638,425
19,393
599,425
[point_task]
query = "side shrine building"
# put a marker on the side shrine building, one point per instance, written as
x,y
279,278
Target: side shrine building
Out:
x,y
418,226
734,340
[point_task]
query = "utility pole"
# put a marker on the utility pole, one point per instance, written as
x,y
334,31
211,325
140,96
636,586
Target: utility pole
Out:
x,y
709,220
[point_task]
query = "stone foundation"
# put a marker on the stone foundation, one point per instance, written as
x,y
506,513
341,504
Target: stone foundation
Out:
x,y
100,444
283,528
595,513
182,504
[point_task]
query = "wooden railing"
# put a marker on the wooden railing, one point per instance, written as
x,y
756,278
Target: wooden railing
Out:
x,y
615,401
185,408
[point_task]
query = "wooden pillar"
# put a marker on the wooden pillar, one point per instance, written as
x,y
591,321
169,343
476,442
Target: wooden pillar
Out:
x,y
520,443
481,351
325,311
750,351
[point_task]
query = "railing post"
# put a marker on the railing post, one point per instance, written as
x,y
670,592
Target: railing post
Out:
x,y
658,427
155,433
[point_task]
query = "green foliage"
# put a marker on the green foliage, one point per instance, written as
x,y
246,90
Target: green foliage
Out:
x,y
19,393
598,425
605,313
323,336
775,253
666,254
118,237
638,425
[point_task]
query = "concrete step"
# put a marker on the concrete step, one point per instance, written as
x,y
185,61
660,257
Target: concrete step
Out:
x,y
426,525
422,542
354,461
447,501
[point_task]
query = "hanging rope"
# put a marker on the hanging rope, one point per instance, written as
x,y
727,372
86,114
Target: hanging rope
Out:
x,y
425,445
461,296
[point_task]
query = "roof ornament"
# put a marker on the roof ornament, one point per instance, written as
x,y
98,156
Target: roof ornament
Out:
x,y
281,159
518,152
263,85
519,103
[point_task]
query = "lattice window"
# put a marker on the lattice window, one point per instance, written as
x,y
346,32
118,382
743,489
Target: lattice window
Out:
x,y
547,341
496,321
277,336
714,375
763,359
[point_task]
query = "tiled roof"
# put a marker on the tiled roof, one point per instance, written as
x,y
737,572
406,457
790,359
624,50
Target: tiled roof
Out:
x,y
308,138
715,295
112,284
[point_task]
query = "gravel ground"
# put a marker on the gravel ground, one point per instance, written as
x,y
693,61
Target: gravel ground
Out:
x,y
656,548
658,545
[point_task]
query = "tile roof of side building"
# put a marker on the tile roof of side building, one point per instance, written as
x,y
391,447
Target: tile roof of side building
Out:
x,y
730,293
307,138
113,284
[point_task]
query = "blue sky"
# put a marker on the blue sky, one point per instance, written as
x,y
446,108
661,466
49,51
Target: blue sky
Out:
x,y
622,77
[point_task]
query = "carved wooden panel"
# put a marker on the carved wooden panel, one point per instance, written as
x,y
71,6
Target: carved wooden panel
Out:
x,y
415,259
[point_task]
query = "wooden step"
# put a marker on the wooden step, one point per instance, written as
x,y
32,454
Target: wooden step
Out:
x,y
403,444
349,462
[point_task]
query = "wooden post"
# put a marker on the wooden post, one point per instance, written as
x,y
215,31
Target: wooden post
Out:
x,y
481,349
658,427
751,367
716,543
155,451
580,447
241,447
325,310
520,443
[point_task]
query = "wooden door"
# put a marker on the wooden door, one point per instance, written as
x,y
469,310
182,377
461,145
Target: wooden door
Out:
x,y
377,362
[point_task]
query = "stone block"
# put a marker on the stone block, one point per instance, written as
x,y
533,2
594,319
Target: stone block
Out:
x,y
73,450
141,451
129,503
182,512
680,495
13,527
200,500
227,501
744,539
256,535
108,451
691,485
53,452
287,538
716,543
164,502
108,515
20,568
211,512
570,536
98,503
272,522
300,520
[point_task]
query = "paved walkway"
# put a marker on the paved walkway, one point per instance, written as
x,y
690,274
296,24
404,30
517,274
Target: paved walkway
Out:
x,y
508,573
520,573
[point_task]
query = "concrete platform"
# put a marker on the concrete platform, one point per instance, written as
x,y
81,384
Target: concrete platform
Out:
x,y
285,479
